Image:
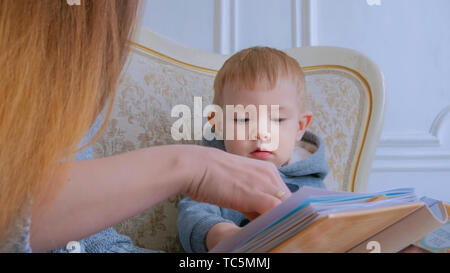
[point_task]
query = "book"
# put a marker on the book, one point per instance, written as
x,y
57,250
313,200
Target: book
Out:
x,y
317,220
437,241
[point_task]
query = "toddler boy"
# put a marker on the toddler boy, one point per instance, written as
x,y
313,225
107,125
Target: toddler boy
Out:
x,y
257,76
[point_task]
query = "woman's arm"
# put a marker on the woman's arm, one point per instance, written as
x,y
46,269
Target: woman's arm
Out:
x,y
99,193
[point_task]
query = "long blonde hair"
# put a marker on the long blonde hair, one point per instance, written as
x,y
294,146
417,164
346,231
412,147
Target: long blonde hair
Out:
x,y
59,66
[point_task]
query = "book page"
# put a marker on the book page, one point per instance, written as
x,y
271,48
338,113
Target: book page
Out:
x,y
278,217
437,241
268,218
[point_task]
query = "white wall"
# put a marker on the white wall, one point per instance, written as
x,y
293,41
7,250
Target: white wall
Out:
x,y
188,22
409,39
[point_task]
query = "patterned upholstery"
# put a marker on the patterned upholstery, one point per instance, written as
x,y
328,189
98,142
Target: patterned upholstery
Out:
x,y
338,101
141,118
152,85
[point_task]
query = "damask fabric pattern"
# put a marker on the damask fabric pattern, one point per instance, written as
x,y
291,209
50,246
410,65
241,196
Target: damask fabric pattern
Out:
x,y
142,117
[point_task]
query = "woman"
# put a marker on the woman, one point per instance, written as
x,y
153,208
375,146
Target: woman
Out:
x,y
59,68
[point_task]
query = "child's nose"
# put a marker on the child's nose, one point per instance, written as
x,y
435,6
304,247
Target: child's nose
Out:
x,y
264,136
258,132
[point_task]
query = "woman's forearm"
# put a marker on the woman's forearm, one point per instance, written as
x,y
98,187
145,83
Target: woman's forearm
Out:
x,y
102,192
99,193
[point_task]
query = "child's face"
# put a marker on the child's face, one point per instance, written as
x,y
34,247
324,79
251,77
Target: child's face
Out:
x,y
292,121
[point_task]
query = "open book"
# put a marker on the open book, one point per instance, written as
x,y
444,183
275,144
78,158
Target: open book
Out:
x,y
316,220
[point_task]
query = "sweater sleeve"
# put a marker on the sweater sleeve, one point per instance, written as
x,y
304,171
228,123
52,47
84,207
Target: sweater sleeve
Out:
x,y
106,241
17,239
195,219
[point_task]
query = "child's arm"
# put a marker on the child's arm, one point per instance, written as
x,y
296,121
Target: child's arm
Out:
x,y
196,220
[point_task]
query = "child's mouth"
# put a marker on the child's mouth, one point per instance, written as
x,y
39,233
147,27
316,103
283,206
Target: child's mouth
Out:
x,y
261,154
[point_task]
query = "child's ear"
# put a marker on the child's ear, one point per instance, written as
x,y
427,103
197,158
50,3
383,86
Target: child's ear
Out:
x,y
303,124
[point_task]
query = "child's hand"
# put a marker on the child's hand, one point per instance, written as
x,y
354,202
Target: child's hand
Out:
x,y
220,232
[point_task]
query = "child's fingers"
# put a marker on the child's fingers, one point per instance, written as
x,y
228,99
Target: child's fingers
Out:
x,y
263,202
282,191
251,215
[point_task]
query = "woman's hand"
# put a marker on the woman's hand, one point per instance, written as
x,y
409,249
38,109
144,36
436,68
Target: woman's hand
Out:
x,y
249,186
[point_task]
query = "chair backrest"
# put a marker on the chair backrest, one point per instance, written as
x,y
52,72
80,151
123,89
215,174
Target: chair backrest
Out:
x,y
346,95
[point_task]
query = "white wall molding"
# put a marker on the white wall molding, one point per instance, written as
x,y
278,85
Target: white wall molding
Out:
x,y
411,140
234,23
309,22
306,23
406,159
411,158
297,18
304,28
221,26
414,157
441,127
225,23
423,151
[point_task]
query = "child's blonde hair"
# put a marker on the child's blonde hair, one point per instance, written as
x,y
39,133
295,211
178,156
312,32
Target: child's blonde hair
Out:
x,y
259,64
